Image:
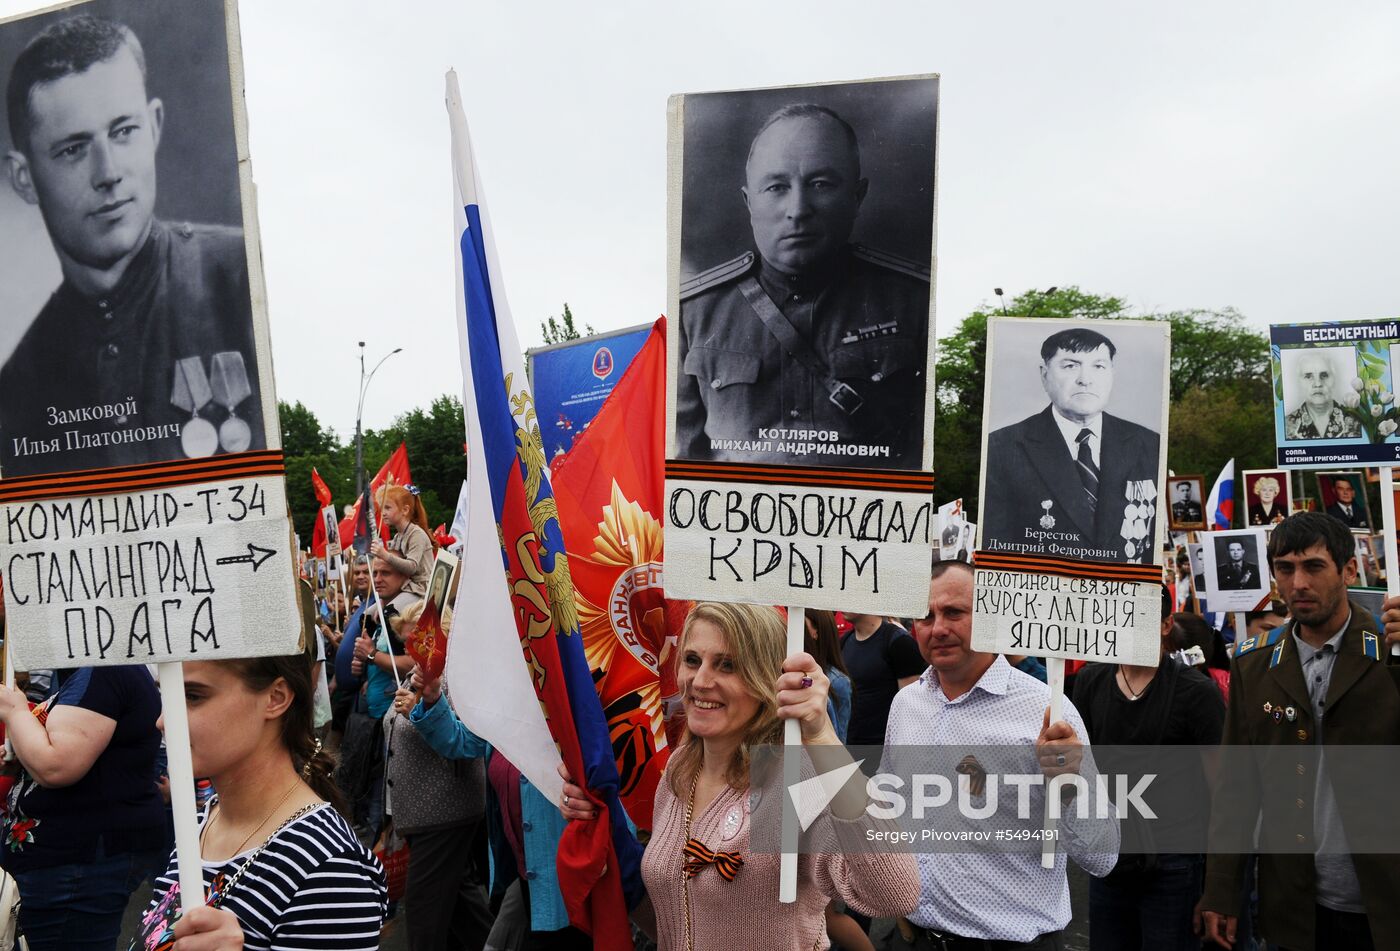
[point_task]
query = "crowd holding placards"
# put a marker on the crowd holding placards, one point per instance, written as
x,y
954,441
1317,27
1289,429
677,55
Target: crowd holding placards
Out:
x,y
86,825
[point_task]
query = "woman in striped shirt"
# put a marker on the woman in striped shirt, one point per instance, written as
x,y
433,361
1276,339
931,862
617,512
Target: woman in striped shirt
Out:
x,y
282,867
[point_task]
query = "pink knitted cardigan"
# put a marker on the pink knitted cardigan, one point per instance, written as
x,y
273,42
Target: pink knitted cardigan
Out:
x,y
746,913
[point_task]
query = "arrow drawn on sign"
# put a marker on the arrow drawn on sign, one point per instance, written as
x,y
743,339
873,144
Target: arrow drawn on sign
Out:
x,y
255,557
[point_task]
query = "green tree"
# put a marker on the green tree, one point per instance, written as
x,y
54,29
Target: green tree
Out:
x,y
1219,389
560,329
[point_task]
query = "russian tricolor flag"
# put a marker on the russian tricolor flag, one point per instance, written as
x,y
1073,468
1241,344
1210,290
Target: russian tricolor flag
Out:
x,y
515,665
1220,507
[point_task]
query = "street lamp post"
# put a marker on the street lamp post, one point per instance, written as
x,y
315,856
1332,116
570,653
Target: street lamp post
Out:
x,y
359,414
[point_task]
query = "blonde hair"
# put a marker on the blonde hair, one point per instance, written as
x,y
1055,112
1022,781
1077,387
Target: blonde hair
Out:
x,y
1263,481
757,640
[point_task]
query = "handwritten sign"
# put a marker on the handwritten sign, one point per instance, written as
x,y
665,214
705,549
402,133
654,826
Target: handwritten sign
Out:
x,y
866,551
1046,615
152,576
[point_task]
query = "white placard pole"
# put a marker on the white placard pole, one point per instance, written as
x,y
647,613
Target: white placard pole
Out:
x,y
180,770
1055,676
792,770
1241,626
1392,561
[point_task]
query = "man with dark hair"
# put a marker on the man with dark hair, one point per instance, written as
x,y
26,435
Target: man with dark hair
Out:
x,y
1072,480
1235,572
1322,682
1186,510
807,333
145,352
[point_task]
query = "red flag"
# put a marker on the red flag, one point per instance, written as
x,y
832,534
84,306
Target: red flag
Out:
x,y
426,643
394,471
323,498
609,488
323,491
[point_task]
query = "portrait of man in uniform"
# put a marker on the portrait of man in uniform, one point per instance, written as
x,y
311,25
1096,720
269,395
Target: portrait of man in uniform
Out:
x,y
1344,498
807,343
1186,511
1072,479
1233,570
145,350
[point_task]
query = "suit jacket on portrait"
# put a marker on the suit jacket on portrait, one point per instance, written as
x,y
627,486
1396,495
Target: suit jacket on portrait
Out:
x,y
1357,518
1028,464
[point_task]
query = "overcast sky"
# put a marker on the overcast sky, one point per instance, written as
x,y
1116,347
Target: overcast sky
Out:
x,y
1197,154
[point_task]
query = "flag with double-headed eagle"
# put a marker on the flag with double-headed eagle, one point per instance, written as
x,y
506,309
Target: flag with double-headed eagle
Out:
x,y
610,489
516,668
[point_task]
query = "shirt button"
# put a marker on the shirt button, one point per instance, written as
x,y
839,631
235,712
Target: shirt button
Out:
x,y
103,305
112,350
796,296
523,780
716,383
876,377
793,414
530,874
525,824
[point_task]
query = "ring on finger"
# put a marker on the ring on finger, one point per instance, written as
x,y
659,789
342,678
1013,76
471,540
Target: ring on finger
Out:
x,y
806,682
566,799
1060,760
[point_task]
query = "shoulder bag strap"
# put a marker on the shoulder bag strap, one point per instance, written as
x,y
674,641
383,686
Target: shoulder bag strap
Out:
x,y
846,399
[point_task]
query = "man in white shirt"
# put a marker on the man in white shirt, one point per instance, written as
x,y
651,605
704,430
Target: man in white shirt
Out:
x,y
969,698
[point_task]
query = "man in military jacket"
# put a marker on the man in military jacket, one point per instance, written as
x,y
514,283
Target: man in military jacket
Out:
x,y
1237,573
146,350
812,349
1186,510
1072,480
1324,678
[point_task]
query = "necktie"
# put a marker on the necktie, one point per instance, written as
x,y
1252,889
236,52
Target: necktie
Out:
x,y
1088,472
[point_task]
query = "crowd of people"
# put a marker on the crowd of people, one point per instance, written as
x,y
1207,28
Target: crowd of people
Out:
x,y
295,847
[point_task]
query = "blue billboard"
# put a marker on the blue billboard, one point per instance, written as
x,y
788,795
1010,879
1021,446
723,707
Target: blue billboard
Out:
x,y
571,380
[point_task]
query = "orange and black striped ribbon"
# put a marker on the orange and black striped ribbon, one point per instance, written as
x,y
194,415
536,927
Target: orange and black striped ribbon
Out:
x,y
879,480
226,468
1068,567
698,855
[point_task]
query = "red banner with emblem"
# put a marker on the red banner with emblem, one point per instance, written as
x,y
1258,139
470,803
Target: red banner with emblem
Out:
x,y
609,489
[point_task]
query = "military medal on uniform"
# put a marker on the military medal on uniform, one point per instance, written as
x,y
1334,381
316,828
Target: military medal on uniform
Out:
x,y
1138,513
1047,520
191,393
229,379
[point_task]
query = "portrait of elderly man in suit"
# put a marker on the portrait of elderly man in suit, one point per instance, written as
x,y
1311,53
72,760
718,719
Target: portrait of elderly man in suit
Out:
x,y
1069,479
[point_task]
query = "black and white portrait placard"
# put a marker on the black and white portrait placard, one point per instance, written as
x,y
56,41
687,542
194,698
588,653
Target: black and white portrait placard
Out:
x,y
1236,569
143,504
1074,438
1186,503
132,325
330,523
800,237
802,225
